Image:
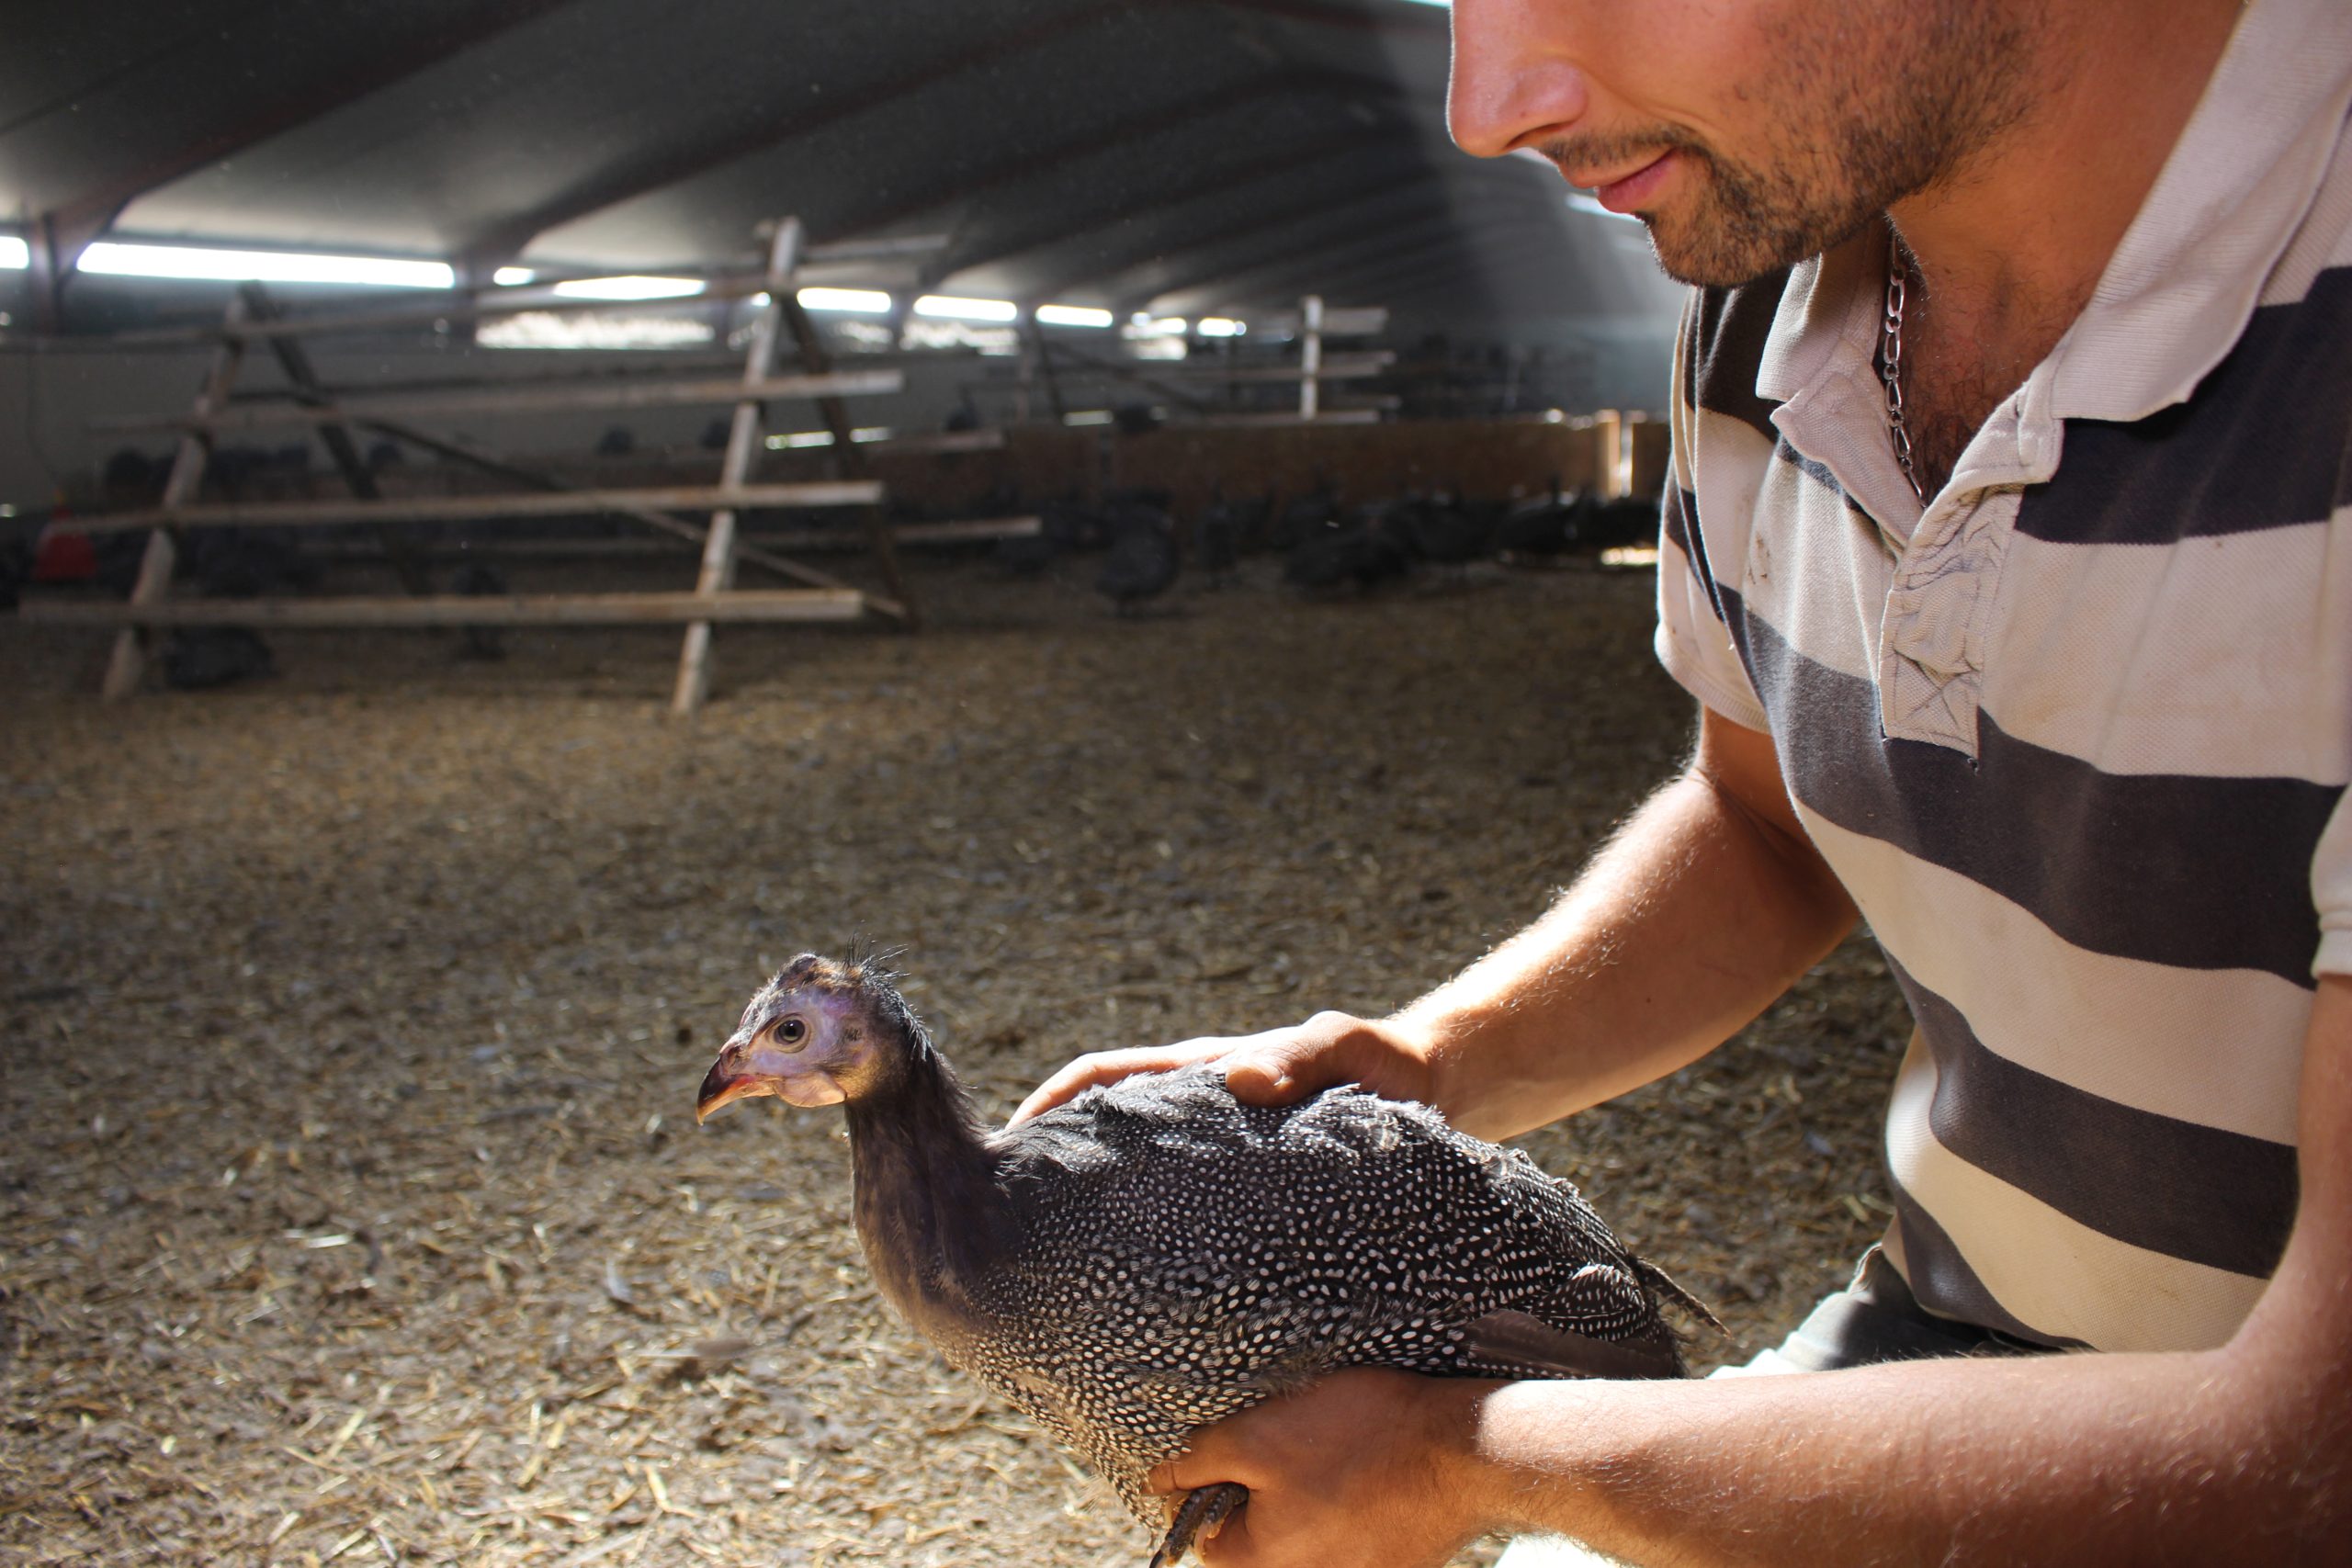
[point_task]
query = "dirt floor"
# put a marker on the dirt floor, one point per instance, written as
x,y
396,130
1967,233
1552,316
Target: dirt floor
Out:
x,y
352,1206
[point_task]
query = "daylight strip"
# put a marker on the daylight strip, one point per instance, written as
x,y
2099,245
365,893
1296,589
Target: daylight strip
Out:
x,y
121,260
1073,316
950,308
630,287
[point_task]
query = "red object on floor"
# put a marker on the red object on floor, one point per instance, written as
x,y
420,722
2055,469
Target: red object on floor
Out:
x,y
64,555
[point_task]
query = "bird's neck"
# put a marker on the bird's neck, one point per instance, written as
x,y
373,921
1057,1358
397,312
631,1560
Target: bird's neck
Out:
x,y
930,1209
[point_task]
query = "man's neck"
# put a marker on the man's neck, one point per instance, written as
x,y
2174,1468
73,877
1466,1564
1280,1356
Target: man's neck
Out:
x,y
2011,246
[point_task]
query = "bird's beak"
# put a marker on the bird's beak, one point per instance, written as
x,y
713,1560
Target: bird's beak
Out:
x,y
745,1069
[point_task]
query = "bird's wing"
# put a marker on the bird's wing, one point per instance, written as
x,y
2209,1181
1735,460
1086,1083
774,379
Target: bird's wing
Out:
x,y
1528,1347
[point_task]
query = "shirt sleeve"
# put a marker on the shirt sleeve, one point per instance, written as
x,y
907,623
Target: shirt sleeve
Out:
x,y
1693,642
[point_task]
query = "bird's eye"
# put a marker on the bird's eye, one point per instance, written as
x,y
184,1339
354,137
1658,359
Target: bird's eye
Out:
x,y
791,1032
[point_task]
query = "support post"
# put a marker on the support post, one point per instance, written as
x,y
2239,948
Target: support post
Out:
x,y
408,562
743,443
849,463
128,661
1608,450
1045,363
1310,355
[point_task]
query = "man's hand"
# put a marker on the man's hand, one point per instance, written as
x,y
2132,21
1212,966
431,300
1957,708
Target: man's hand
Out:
x,y
1367,1467
1274,1068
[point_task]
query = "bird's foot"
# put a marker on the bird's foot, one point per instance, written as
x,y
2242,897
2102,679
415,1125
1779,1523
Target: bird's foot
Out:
x,y
1201,1512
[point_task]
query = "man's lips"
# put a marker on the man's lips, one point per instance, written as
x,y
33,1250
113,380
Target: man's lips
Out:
x,y
1622,191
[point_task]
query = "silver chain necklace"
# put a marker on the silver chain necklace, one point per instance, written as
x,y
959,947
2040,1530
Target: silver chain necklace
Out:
x,y
1890,368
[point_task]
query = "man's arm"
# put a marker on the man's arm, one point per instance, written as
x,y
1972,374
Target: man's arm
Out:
x,y
1703,908
2242,1454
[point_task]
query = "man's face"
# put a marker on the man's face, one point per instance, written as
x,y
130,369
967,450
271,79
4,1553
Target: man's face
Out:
x,y
1748,134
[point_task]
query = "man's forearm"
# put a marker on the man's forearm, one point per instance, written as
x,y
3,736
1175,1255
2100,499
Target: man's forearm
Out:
x,y
1701,911
2180,1457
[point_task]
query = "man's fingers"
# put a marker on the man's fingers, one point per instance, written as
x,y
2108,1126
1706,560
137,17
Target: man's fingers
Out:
x,y
1074,1080
1099,1067
1275,1075
1275,1067
1329,1049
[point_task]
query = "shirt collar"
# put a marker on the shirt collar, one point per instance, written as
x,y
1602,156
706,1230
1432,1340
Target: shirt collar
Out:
x,y
2181,286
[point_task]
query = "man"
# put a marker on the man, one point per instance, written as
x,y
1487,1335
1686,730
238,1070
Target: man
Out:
x,y
2010,555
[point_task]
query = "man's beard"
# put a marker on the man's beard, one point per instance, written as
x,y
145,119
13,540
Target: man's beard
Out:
x,y
1862,125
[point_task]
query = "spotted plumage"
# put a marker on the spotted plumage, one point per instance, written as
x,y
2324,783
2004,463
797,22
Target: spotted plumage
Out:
x,y
1156,1255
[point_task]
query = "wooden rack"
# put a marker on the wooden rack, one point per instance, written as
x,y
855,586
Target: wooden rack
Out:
x,y
251,318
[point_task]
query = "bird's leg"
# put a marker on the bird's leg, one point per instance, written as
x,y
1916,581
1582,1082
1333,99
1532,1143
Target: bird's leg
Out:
x,y
1204,1509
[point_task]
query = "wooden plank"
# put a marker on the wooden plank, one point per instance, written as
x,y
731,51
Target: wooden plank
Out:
x,y
917,534
1310,355
1334,368
462,508
962,533
847,459
939,442
459,609
129,660
677,527
612,394
358,478
1328,416
744,442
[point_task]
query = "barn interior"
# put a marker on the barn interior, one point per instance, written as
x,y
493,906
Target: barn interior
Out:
x,y
518,516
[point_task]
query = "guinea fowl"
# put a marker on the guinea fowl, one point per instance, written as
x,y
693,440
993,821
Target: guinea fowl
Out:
x,y
1142,561
1155,1255
1367,552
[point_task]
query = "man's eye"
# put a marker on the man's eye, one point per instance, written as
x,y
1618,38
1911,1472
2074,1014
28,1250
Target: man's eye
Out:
x,y
791,1032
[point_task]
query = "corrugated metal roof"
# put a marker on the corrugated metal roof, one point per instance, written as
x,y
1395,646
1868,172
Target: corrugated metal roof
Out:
x,y
1165,155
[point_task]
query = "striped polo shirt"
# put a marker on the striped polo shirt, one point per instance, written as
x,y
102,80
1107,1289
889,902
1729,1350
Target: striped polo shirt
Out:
x,y
2074,734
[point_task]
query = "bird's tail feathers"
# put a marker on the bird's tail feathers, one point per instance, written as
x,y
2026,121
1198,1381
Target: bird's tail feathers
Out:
x,y
1662,1284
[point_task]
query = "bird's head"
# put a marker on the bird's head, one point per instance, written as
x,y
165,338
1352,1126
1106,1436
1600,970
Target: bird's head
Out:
x,y
820,1033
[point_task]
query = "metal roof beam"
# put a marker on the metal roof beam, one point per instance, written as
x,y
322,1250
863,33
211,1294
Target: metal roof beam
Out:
x,y
1252,227
1416,271
666,165
1441,200
58,236
1388,19
1307,269
1186,111
1387,224
1296,156
1334,276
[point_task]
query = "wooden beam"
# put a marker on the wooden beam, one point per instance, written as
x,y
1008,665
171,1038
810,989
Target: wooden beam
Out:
x,y
847,459
460,610
295,361
676,527
1293,416
129,660
973,531
744,439
465,508
1334,368
492,399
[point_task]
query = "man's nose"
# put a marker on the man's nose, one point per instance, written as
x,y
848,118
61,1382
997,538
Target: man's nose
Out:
x,y
1513,85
